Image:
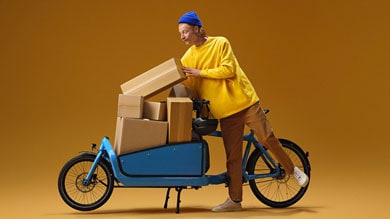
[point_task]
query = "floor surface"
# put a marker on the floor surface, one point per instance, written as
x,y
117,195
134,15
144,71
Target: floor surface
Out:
x,y
325,198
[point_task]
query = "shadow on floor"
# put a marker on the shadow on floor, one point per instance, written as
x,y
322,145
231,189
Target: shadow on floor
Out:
x,y
201,211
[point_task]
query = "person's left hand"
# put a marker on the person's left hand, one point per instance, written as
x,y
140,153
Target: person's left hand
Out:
x,y
191,72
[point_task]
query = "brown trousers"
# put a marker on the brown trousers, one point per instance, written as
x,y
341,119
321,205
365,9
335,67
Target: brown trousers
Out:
x,y
232,128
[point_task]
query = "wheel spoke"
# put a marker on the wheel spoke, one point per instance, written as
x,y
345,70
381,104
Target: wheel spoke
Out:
x,y
78,195
280,191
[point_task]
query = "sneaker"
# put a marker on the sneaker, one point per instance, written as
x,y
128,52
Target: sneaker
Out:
x,y
228,205
301,177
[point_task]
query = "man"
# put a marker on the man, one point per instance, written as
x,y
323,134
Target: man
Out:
x,y
214,74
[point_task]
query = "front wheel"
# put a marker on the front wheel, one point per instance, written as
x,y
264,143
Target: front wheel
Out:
x,y
80,196
282,191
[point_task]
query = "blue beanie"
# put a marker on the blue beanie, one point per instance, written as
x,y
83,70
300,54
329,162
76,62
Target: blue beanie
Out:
x,y
190,18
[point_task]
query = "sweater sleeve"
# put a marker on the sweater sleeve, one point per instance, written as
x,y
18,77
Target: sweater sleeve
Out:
x,y
226,67
185,61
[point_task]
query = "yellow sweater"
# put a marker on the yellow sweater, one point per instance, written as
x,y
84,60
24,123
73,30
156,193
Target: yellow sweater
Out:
x,y
222,81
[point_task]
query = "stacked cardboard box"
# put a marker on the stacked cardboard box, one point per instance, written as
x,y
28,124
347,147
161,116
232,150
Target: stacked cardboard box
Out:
x,y
144,124
179,119
179,90
130,106
155,80
155,110
137,134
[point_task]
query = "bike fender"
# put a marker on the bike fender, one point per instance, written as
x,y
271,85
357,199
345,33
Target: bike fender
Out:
x,y
87,153
90,153
292,143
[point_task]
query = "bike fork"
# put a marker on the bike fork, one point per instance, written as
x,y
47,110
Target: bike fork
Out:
x,y
87,179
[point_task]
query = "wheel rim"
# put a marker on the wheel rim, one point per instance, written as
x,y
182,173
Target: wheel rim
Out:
x,y
280,191
89,193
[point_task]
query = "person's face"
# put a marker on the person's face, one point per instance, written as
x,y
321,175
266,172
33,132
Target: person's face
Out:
x,y
188,33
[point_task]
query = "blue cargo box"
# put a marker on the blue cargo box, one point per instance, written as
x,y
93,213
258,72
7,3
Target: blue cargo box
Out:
x,y
183,159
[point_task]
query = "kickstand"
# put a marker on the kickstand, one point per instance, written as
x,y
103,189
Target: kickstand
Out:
x,y
178,189
166,198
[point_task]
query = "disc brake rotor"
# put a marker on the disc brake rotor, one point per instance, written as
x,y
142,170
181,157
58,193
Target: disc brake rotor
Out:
x,y
88,187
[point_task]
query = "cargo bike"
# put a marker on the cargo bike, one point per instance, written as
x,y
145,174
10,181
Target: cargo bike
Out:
x,y
86,181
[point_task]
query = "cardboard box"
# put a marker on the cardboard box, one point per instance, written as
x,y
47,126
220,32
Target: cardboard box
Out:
x,y
155,110
138,134
155,80
130,106
179,119
178,90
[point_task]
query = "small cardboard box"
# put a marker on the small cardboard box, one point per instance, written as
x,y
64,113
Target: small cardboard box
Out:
x,y
179,119
155,110
138,134
130,106
178,90
155,80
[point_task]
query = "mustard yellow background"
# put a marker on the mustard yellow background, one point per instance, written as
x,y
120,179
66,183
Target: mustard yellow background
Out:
x,y
322,67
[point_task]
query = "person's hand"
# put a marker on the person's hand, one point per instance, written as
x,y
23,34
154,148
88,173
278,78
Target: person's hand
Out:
x,y
191,72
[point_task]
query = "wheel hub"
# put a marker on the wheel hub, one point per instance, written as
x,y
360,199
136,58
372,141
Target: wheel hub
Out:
x,y
85,187
283,177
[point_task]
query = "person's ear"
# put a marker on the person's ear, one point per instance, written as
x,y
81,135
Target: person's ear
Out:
x,y
197,29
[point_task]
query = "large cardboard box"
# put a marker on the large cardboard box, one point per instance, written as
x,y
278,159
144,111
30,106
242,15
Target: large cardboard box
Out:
x,y
138,134
155,80
155,110
130,106
179,119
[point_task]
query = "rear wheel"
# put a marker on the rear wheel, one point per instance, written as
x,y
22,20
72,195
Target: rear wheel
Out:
x,y
282,191
85,197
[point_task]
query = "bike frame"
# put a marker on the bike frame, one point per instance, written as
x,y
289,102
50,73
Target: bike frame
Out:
x,y
107,152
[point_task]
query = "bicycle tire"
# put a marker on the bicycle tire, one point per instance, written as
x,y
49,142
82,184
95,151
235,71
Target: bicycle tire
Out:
x,y
85,197
283,191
